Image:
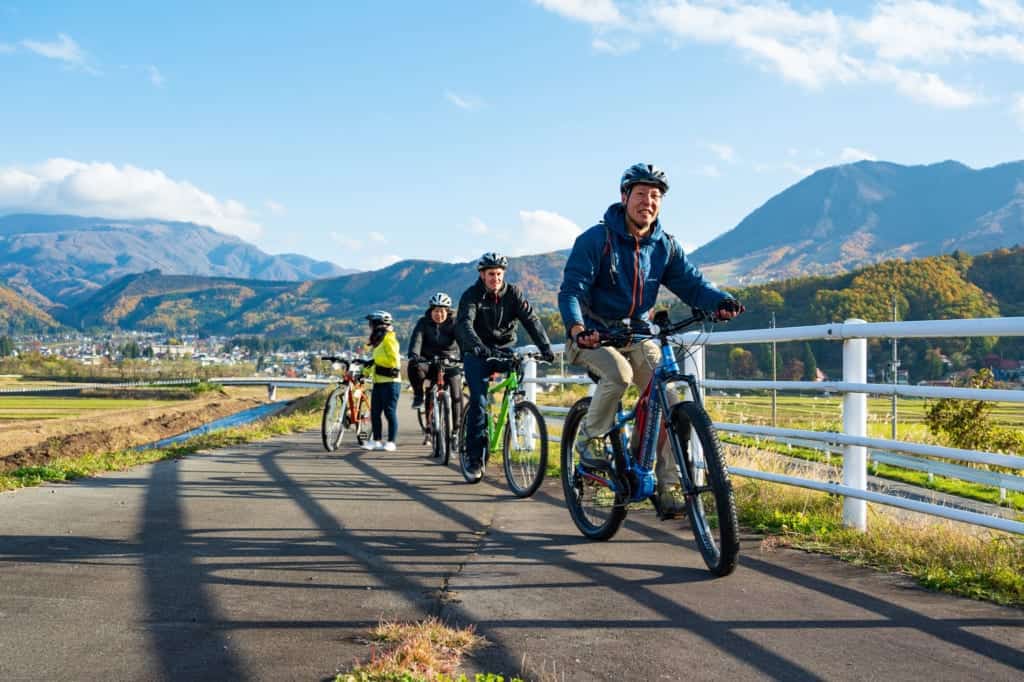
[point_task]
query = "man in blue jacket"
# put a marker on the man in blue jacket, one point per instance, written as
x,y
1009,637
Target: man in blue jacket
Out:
x,y
611,279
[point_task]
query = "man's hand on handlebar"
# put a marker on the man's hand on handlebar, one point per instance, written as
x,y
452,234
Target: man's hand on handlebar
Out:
x,y
585,338
728,309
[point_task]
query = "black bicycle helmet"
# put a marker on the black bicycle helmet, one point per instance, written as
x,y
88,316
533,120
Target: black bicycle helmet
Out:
x,y
643,174
492,260
379,317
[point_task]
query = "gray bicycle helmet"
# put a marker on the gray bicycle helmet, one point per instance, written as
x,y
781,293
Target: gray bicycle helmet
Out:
x,y
440,300
379,317
492,260
643,174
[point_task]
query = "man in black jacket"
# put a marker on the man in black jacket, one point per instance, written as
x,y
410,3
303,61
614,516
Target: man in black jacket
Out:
x,y
489,313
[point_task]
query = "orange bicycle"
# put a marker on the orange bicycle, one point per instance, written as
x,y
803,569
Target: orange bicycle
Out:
x,y
348,404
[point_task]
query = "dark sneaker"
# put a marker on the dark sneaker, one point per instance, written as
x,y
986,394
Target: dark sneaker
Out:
x,y
417,402
475,472
591,451
671,503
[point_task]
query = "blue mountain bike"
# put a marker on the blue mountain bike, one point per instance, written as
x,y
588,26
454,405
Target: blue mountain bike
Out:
x,y
598,497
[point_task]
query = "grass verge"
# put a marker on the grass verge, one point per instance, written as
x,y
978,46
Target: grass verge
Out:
x,y
304,414
427,651
938,554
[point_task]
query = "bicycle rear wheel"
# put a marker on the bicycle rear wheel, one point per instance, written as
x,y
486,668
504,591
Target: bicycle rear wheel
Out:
x,y
709,496
525,449
331,428
595,509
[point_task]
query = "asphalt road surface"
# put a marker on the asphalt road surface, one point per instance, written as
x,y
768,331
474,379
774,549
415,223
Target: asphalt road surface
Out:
x,y
269,561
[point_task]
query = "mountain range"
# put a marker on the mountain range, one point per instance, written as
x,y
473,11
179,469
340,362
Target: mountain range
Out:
x,y
180,277
844,217
59,260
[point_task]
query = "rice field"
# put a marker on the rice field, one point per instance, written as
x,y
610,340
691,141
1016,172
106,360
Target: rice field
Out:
x,y
23,408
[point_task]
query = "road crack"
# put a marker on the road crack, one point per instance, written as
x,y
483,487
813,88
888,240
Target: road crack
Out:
x,y
445,595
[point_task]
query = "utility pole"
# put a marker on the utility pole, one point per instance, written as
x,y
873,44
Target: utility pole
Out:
x,y
895,371
774,376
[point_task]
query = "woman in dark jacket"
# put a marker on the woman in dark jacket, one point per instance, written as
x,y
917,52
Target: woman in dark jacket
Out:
x,y
433,336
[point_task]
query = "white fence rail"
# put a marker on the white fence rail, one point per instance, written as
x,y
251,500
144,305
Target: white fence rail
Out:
x,y
270,382
854,442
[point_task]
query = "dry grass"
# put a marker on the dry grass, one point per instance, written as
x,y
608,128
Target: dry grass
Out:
x,y
940,554
426,650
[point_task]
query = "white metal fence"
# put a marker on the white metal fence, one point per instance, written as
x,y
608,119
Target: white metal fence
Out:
x,y
853,441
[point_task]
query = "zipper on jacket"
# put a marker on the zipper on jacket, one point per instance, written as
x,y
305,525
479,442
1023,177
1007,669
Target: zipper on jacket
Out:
x,y
636,276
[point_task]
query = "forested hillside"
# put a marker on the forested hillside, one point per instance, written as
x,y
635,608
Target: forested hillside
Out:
x,y
941,287
20,316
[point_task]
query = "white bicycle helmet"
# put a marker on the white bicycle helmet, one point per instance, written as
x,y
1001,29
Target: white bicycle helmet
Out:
x,y
440,300
379,317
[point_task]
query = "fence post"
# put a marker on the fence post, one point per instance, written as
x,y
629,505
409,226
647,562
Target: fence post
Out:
x,y
271,392
855,423
530,372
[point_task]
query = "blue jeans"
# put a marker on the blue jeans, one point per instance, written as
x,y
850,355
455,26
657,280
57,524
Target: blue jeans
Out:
x,y
477,374
384,400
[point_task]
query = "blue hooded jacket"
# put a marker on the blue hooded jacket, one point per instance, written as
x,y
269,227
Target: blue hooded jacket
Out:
x,y
591,295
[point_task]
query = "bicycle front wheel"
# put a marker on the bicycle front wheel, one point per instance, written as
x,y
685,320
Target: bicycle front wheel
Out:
x,y
525,449
709,497
331,428
463,455
444,404
595,509
362,418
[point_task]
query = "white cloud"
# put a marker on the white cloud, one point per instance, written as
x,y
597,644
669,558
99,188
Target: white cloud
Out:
x,y
155,77
709,171
1005,11
275,207
462,101
816,48
852,155
723,151
382,261
346,242
545,231
589,11
477,226
618,48
103,189
65,49
377,237
925,87
929,32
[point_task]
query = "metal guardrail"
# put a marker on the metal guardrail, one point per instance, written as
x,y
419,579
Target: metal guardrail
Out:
x,y
993,479
855,388
270,382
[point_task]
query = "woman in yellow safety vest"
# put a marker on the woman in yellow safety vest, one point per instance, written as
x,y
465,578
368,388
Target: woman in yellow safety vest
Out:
x,y
387,381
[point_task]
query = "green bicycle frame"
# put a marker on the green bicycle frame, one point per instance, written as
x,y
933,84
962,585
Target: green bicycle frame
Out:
x,y
496,426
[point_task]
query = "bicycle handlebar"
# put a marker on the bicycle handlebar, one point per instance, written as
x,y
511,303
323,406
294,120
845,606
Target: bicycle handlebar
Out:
x,y
626,335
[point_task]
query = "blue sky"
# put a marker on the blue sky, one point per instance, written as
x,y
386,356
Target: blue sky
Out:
x,y
366,132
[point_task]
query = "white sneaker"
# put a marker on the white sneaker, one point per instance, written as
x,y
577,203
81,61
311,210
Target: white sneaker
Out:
x,y
379,445
390,446
373,445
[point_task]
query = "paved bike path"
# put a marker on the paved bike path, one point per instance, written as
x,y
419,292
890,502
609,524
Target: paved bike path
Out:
x,y
267,561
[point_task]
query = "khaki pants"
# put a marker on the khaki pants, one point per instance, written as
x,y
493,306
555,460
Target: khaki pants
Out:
x,y
617,368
